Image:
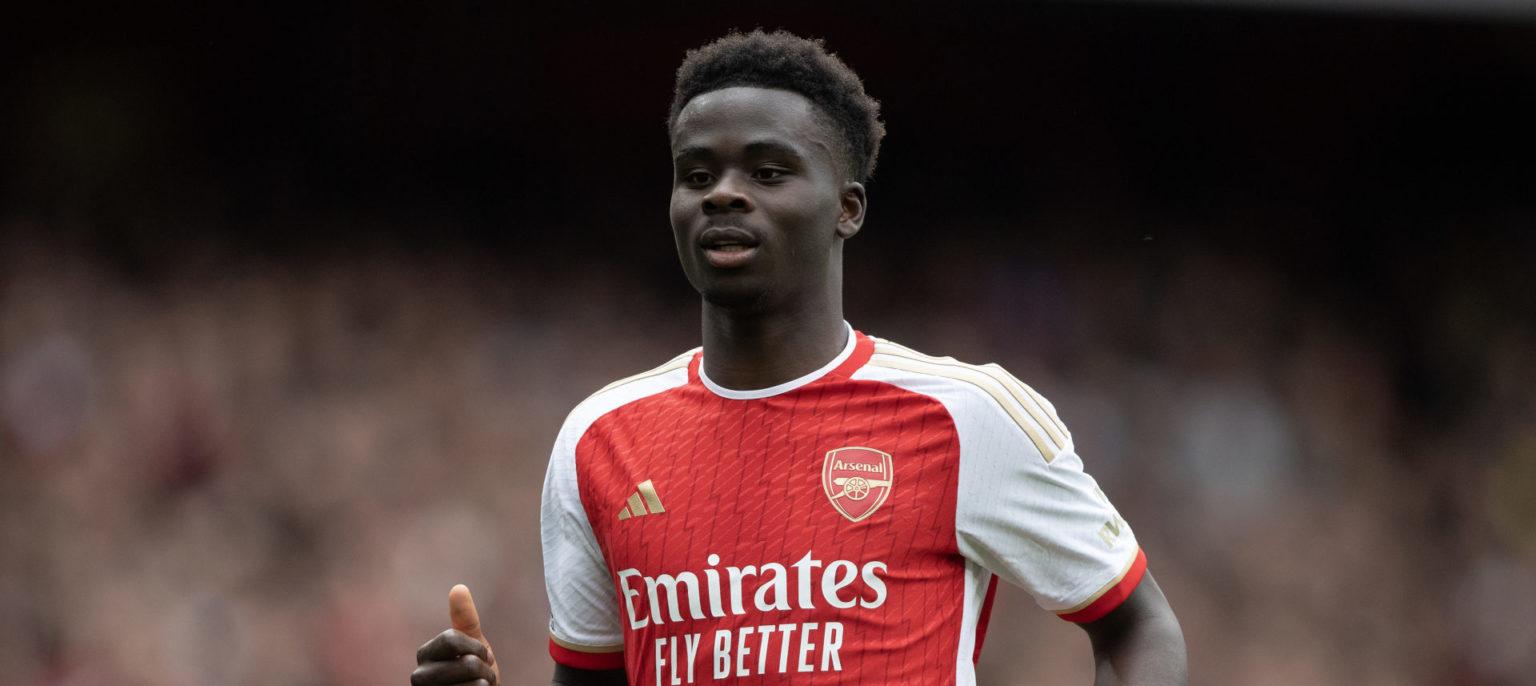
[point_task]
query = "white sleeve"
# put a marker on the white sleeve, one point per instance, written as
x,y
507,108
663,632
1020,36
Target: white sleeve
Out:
x,y
1027,511
584,612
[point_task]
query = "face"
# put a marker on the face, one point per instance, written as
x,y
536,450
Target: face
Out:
x,y
760,207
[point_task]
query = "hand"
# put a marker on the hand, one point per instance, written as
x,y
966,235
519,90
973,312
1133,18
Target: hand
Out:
x,y
459,656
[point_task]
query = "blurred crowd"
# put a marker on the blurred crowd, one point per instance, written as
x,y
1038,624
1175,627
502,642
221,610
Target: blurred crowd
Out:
x,y
245,469
292,304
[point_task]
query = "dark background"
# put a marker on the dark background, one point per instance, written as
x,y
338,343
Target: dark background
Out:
x,y
294,272
492,119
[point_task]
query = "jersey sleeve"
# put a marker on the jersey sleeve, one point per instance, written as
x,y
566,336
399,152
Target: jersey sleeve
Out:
x,y
584,629
1028,512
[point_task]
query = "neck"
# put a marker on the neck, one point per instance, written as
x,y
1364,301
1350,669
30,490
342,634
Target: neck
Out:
x,y
752,351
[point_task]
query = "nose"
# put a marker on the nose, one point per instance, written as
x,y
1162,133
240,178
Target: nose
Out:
x,y
728,195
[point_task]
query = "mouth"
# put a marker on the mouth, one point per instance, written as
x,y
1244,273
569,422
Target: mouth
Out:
x,y
728,247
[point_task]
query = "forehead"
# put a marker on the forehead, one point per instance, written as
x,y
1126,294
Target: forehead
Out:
x,y
715,118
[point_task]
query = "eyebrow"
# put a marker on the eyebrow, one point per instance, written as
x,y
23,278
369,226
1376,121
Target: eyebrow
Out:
x,y
775,147
754,148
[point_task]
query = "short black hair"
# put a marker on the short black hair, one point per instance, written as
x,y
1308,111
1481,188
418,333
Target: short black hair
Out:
x,y
785,61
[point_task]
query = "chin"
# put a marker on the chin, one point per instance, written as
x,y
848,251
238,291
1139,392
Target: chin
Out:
x,y
742,298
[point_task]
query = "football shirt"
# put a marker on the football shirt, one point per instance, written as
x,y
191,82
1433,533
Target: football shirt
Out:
x,y
846,527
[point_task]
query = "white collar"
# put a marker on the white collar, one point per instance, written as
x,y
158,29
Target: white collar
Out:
x,y
770,391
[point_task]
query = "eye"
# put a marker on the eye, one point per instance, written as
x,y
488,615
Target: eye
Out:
x,y
769,173
697,178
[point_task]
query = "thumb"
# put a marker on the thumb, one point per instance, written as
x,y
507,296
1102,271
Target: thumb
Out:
x,y
461,612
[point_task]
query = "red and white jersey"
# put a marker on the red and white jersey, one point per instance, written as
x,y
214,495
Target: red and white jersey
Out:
x,y
846,527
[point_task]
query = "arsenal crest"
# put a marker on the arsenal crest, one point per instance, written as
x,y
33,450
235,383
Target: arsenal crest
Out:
x,y
857,480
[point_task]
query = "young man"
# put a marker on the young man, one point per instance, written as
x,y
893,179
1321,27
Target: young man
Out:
x,y
798,502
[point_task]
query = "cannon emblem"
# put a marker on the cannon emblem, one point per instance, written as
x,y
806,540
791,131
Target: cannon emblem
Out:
x,y
857,480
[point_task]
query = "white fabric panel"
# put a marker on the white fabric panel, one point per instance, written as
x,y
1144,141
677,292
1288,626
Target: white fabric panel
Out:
x,y
976,581
583,605
1035,523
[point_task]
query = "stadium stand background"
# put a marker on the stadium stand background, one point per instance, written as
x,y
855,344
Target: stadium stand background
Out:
x,y
293,300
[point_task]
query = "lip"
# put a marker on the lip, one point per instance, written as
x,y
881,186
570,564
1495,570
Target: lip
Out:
x,y
721,236
731,258
728,247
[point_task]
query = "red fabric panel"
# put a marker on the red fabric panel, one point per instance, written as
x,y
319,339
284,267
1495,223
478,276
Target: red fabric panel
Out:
x,y
986,616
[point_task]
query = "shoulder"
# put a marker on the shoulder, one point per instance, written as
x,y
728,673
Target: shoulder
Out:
x,y
980,394
670,375
663,376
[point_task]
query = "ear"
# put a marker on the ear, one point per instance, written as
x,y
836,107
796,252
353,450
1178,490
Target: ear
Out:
x,y
854,202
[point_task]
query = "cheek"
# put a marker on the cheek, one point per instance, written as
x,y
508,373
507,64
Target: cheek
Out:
x,y
677,213
818,213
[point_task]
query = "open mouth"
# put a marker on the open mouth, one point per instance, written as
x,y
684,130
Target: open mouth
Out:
x,y
728,247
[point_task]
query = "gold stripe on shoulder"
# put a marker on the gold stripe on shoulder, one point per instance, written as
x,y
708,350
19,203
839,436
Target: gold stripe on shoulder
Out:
x,y
1049,408
1018,390
676,363
1040,409
585,649
1026,396
977,379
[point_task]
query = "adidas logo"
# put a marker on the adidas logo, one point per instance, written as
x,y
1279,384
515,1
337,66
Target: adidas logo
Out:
x,y
642,502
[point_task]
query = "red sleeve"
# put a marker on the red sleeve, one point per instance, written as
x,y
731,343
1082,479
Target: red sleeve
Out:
x,y
571,657
1114,594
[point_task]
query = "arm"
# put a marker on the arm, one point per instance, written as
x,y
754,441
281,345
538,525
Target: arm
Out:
x,y
1139,642
571,676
